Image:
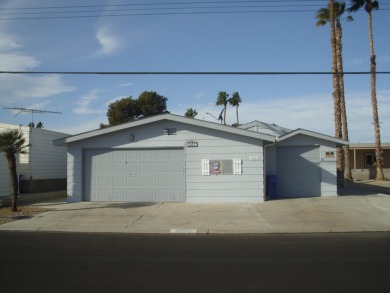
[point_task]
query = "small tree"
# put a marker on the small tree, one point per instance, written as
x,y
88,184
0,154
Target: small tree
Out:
x,y
122,111
190,113
151,103
12,144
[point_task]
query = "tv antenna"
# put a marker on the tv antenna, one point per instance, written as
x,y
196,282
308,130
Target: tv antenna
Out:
x,y
32,111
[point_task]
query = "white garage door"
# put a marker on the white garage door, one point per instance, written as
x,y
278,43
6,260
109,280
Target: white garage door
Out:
x,y
134,175
299,172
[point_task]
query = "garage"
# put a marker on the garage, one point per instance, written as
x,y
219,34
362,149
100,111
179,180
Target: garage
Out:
x,y
299,171
134,175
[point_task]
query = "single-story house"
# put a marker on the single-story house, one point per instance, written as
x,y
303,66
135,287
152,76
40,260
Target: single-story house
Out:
x,y
177,159
363,160
42,168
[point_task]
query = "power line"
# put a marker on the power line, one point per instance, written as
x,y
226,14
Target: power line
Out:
x,y
157,8
156,3
193,72
162,8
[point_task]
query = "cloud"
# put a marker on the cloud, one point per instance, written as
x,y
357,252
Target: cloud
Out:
x,y
11,58
84,104
21,88
127,84
199,95
17,88
109,43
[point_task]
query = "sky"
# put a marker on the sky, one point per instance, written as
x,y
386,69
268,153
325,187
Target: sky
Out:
x,y
188,36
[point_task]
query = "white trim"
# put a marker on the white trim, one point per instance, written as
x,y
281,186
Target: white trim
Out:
x,y
339,142
170,117
237,166
206,167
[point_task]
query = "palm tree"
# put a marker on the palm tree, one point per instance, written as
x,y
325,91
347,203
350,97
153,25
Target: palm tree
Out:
x,y
235,101
11,144
336,88
191,113
369,6
323,17
222,100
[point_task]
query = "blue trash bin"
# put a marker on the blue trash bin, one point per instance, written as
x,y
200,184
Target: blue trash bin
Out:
x,y
272,186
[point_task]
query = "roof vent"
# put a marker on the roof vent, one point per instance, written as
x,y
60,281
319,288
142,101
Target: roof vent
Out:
x,y
170,131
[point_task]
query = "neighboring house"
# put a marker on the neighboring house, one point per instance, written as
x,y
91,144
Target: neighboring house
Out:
x,y
176,159
363,160
42,168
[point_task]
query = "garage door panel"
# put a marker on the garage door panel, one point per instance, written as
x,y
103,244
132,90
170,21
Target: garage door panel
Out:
x,y
118,167
132,181
103,194
175,181
119,194
118,181
147,167
147,155
132,167
103,181
162,181
299,173
134,175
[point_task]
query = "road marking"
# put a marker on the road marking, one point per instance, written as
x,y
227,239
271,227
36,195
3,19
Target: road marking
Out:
x,y
183,231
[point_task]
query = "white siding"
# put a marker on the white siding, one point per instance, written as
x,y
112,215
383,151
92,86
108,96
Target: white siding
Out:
x,y
212,144
46,160
43,160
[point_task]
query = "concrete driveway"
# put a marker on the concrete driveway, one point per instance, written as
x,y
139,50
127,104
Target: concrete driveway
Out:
x,y
367,211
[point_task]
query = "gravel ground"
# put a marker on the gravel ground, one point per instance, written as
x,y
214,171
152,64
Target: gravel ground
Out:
x,y
7,215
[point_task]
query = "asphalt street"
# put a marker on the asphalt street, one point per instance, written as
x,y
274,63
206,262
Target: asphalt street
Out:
x,y
111,262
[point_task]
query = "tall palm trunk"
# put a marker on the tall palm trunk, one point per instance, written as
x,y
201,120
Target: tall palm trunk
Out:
x,y
237,115
14,180
347,156
378,147
336,90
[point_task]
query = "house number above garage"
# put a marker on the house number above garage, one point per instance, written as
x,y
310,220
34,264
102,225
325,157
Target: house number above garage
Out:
x,y
192,143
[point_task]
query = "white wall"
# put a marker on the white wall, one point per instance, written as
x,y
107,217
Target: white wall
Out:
x,y
46,161
43,160
212,144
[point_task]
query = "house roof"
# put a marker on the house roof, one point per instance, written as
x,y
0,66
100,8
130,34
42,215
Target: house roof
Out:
x,y
261,126
28,128
339,142
162,117
368,145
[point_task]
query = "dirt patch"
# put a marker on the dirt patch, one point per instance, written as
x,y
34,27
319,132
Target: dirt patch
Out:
x,y
7,215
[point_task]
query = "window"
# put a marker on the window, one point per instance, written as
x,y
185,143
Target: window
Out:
x,y
369,160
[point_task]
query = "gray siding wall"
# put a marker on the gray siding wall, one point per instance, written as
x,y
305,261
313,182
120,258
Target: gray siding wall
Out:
x,y
211,145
